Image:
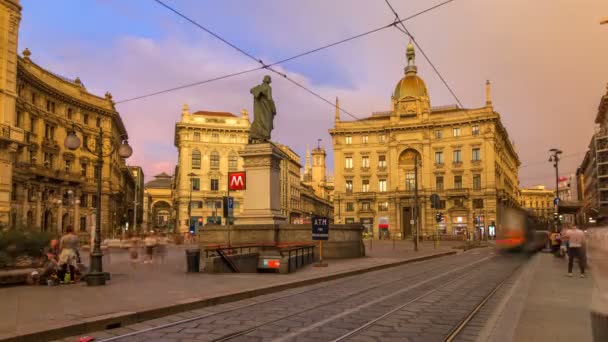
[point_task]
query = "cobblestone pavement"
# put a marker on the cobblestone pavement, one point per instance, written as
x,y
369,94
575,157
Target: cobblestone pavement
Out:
x,y
423,301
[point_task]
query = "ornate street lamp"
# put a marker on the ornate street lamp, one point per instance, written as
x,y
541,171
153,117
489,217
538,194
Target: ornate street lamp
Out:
x,y
96,276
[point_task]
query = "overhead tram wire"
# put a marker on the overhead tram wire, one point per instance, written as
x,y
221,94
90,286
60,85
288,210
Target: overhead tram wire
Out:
x,y
264,66
405,31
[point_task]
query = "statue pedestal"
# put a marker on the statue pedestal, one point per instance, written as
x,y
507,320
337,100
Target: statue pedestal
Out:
x,y
262,198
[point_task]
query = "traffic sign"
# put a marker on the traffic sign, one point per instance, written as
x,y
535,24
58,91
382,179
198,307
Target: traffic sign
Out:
x,y
320,228
556,201
236,180
228,207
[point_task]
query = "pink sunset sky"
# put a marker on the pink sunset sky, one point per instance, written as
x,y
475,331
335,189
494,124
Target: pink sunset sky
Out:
x,y
547,61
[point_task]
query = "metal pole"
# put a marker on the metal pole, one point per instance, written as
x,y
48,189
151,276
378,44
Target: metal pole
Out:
x,y
96,276
416,203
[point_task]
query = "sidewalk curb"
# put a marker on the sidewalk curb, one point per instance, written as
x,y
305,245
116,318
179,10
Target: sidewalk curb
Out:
x,y
127,318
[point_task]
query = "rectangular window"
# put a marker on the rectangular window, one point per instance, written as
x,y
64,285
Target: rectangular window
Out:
x,y
382,161
48,160
365,162
83,169
98,122
210,205
348,163
439,157
349,186
196,160
14,192
383,206
85,119
439,183
83,200
70,113
382,185
365,185
456,131
475,130
32,125
350,206
215,184
457,182
364,139
410,181
365,206
441,204
457,156
215,137
478,203
196,204
382,138
94,201
19,119
196,184
348,140
476,153
214,160
438,134
477,181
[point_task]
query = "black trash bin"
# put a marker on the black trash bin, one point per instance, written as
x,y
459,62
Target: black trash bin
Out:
x,y
193,259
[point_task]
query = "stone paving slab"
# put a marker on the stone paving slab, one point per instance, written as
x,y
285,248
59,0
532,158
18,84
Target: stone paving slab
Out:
x,y
150,291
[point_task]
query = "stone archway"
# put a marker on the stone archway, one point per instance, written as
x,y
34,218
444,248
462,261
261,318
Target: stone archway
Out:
x,y
161,214
47,220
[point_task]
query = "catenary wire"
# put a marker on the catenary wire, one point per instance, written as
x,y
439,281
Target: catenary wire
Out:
x,y
360,35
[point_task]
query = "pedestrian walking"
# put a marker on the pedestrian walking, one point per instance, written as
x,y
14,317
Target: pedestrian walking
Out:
x,y
150,243
576,249
133,250
161,247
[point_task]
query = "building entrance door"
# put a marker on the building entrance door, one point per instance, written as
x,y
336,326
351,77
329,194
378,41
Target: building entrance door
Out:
x,y
406,224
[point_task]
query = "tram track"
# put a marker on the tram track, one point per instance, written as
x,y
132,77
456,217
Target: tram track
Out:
x,y
419,273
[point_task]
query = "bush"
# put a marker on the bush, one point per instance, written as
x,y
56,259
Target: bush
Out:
x,y
23,242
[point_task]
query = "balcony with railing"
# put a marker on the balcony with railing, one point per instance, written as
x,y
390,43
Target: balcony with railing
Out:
x,y
458,192
363,195
365,169
12,134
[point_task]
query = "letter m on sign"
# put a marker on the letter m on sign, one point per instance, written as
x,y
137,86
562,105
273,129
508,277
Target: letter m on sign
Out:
x,y
236,180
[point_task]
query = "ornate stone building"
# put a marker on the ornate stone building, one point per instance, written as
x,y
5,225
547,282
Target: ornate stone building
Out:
x,y
159,204
464,155
291,206
50,186
539,201
208,144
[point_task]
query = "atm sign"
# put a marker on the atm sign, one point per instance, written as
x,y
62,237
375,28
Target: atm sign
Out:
x,y
236,180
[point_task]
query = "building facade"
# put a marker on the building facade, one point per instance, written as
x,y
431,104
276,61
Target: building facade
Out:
x,y
291,206
138,203
208,145
592,174
464,156
539,201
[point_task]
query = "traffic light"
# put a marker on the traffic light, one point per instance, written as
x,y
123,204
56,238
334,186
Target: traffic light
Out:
x,y
439,217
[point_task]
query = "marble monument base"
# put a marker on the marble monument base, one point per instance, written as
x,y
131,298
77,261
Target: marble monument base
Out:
x,y
262,195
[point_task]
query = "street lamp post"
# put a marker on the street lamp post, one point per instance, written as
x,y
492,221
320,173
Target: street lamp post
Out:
x,y
554,158
96,276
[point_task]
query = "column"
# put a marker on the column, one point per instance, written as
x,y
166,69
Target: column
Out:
x,y
38,213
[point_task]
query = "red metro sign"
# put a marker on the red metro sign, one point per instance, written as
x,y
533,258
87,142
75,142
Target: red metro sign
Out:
x,y
236,180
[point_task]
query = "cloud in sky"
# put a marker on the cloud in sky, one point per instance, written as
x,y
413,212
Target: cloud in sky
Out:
x,y
546,60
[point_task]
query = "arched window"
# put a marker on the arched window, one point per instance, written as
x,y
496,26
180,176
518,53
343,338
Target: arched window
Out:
x,y
233,161
215,160
196,159
196,136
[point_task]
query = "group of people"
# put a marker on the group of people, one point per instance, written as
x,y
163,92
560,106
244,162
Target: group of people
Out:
x,y
154,247
571,241
62,264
